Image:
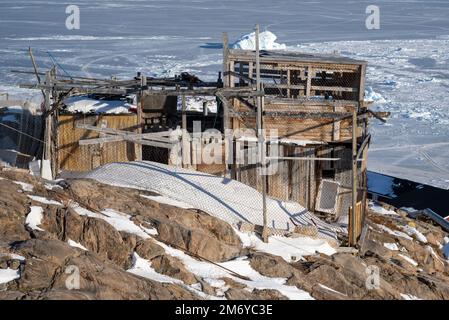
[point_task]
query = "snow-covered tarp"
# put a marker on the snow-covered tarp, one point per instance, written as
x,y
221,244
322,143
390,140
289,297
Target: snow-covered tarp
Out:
x,y
85,104
267,41
226,199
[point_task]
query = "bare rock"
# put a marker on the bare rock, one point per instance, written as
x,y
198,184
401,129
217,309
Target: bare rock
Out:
x,y
197,241
271,266
48,261
373,247
148,249
174,268
233,284
268,294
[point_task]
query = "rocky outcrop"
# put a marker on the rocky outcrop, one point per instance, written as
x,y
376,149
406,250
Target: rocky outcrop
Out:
x,y
407,266
190,230
48,262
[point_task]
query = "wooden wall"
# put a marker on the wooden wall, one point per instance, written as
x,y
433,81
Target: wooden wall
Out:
x,y
288,120
71,156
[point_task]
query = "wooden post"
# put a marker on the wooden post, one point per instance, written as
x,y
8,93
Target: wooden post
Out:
x,y
140,120
226,76
309,81
362,83
261,139
184,115
352,213
185,136
46,154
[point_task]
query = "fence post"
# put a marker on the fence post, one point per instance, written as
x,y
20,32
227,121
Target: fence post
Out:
x,y
353,212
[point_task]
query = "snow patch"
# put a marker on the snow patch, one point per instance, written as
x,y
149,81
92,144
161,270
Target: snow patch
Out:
x,y
409,260
196,103
381,210
290,249
142,267
76,245
407,296
83,104
120,221
394,232
391,246
34,218
7,275
241,266
25,186
413,232
332,290
267,41
44,200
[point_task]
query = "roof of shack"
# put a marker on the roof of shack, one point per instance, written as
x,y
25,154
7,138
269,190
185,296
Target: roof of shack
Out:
x,y
293,56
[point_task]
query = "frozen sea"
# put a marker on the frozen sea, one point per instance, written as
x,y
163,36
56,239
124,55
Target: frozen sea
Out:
x,y
408,56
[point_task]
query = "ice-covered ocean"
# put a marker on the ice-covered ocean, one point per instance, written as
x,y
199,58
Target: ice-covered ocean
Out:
x,y
408,56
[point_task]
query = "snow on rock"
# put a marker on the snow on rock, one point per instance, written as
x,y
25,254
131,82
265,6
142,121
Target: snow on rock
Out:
x,y
169,201
76,245
120,221
413,232
287,248
408,259
210,273
51,186
394,232
44,200
142,267
223,198
7,275
267,41
14,256
34,218
84,104
377,208
332,290
25,186
391,246
407,296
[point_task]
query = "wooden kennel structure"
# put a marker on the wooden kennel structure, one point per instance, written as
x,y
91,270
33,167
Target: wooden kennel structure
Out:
x,y
310,108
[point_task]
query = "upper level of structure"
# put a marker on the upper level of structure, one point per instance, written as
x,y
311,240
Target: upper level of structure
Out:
x,y
295,75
